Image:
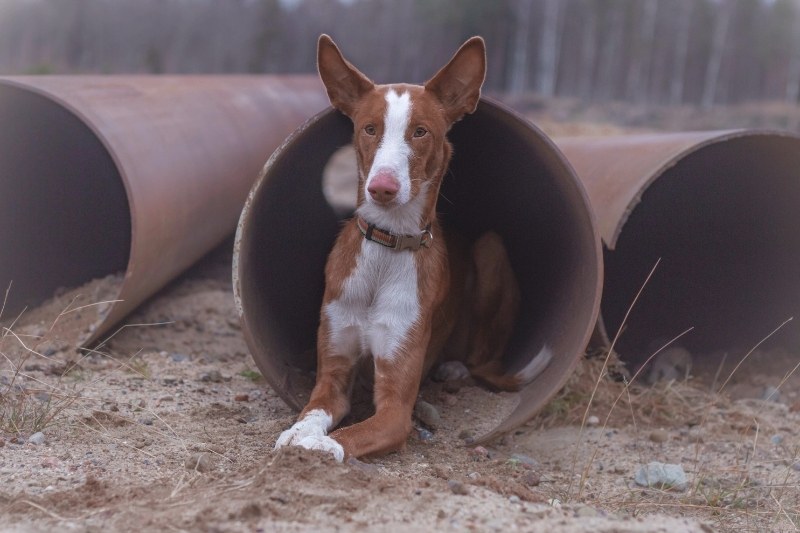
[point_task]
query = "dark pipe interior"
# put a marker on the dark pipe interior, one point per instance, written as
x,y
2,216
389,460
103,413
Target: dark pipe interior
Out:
x,y
724,221
504,176
64,216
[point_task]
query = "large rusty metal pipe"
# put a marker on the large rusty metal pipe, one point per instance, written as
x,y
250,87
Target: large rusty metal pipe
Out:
x,y
720,209
506,175
134,174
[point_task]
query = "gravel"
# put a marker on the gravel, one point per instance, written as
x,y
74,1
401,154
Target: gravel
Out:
x,y
659,436
428,415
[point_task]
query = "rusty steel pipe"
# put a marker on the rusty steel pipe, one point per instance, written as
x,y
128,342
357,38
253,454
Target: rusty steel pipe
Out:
x,y
505,175
134,174
720,209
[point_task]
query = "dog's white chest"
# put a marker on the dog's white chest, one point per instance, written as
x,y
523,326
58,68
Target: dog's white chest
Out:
x,y
378,304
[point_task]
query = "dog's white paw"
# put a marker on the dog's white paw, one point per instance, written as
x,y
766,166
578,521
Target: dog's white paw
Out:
x,y
314,424
451,371
324,444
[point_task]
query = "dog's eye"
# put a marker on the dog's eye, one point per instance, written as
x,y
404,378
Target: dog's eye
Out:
x,y
369,129
420,132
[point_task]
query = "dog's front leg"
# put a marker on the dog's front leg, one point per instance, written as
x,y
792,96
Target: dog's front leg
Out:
x,y
330,400
397,382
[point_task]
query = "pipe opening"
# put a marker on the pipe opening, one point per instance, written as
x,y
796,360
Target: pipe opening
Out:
x,y
504,176
723,220
340,181
64,217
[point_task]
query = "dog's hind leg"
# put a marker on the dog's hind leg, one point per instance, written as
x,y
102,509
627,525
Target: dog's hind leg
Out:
x,y
494,309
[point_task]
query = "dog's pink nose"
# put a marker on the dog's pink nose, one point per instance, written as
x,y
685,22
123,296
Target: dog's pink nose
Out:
x,y
383,186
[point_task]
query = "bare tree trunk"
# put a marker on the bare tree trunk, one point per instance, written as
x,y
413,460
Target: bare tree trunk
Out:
x,y
588,50
793,74
681,52
611,52
642,56
719,37
519,64
549,47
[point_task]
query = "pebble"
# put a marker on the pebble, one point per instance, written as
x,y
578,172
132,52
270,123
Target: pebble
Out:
x,y
771,394
776,439
37,438
424,435
795,407
479,451
473,475
170,380
796,466
456,487
532,479
695,436
146,420
179,357
659,435
214,376
661,475
2,442
241,398
451,387
199,462
526,460
451,371
514,498
593,421
466,434
427,414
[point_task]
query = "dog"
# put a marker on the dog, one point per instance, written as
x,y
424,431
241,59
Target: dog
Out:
x,y
397,288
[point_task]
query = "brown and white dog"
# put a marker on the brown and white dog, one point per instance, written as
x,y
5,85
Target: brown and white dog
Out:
x,y
396,288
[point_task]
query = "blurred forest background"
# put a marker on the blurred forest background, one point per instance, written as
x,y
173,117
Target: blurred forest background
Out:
x,y
700,53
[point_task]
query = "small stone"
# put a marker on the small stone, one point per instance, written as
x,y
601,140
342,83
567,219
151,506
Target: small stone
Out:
x,y
2,442
214,376
37,438
659,436
592,421
796,466
427,414
695,436
514,498
199,462
146,420
618,469
179,357
776,439
465,434
532,479
473,475
451,371
526,460
456,487
662,476
795,407
771,394
424,435
241,398
479,451
170,380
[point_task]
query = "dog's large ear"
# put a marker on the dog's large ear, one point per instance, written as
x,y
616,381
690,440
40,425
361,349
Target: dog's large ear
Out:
x,y
344,82
458,84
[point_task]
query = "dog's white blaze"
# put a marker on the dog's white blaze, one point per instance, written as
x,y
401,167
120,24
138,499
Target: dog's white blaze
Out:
x,y
378,303
316,423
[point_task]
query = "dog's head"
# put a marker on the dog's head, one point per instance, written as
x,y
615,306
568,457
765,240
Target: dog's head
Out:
x,y
400,130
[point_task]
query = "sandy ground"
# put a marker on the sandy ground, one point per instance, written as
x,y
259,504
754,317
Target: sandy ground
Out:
x,y
171,428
